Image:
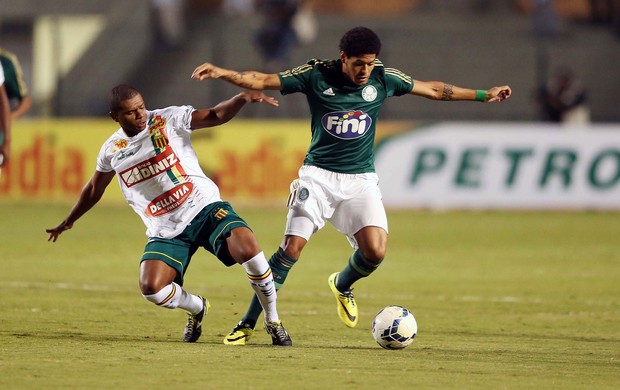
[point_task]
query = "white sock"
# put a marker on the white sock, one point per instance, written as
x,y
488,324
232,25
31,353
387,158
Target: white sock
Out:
x,y
261,280
173,296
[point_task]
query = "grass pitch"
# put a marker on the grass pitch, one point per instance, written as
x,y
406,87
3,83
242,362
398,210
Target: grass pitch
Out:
x,y
502,300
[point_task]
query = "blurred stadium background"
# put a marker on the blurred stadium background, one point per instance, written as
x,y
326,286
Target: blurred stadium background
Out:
x,y
73,51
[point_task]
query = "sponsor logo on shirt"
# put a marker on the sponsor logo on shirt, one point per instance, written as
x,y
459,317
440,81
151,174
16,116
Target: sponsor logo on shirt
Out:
x,y
346,124
169,200
329,92
123,154
150,168
119,147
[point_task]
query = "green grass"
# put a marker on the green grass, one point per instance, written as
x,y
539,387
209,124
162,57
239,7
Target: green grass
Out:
x,y
502,300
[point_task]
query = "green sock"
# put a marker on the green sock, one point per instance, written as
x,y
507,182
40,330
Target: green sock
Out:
x,y
358,267
280,265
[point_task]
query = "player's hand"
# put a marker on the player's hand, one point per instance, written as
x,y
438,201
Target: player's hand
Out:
x,y
499,94
206,71
55,232
259,97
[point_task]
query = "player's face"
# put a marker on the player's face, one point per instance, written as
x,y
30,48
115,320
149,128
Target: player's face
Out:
x,y
131,115
358,69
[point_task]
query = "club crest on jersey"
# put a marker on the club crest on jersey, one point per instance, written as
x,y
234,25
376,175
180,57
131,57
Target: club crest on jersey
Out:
x,y
346,124
303,194
369,93
157,133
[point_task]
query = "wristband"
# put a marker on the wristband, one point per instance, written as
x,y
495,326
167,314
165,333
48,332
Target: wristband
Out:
x,y
481,95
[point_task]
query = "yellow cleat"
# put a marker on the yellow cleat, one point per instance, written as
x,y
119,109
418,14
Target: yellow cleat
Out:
x,y
240,335
347,308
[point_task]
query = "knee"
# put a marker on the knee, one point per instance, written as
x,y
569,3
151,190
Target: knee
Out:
x,y
166,297
242,245
375,253
150,287
372,242
154,276
247,252
150,292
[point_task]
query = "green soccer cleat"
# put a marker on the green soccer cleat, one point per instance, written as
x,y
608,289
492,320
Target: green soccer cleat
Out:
x,y
347,308
278,334
240,335
193,329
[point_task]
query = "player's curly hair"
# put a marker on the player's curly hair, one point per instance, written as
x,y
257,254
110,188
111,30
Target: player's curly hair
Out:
x,y
359,41
118,94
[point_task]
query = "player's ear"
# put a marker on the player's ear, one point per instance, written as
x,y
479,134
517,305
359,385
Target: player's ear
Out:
x,y
342,56
113,115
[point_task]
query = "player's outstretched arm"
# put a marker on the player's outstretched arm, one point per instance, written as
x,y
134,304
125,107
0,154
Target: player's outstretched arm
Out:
x,y
91,194
226,110
247,79
438,90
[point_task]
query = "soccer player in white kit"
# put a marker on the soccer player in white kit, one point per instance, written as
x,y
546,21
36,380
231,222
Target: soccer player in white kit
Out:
x,y
161,179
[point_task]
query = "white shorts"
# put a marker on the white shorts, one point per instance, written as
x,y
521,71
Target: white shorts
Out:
x,y
349,201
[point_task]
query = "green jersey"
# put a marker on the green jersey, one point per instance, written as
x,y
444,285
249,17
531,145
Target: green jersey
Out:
x,y
344,115
14,79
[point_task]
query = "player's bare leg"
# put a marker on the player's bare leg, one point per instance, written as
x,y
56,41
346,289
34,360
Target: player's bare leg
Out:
x,y
157,285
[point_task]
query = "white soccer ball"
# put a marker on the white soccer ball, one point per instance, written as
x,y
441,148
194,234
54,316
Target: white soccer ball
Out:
x,y
394,327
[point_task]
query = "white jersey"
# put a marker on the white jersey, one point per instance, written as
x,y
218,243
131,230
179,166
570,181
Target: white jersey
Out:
x,y
158,172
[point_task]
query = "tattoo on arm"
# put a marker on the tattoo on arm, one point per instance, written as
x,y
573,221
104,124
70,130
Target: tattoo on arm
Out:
x,y
447,92
240,78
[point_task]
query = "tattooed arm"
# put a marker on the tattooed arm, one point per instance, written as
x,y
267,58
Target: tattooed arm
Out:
x,y
438,90
247,79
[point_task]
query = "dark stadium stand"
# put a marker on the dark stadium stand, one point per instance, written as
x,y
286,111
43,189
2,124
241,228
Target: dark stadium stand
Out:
x,y
467,43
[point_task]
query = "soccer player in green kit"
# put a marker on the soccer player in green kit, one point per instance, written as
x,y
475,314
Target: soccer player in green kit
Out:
x,y
337,182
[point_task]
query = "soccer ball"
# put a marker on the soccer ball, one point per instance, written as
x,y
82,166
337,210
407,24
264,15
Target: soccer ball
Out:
x,y
394,327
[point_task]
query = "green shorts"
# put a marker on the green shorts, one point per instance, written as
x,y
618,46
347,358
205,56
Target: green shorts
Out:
x,y
209,229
